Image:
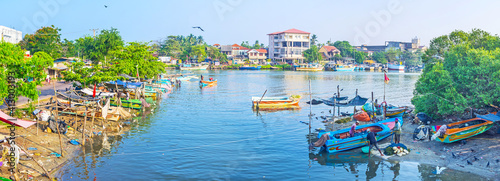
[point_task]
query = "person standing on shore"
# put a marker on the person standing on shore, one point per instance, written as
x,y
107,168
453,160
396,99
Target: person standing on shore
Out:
x,y
372,141
397,131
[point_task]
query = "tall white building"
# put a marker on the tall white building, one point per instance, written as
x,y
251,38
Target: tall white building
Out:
x,y
10,35
288,45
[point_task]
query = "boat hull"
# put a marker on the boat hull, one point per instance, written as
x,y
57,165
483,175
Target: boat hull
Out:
x,y
334,144
396,67
274,102
250,68
131,103
204,67
456,134
344,69
309,69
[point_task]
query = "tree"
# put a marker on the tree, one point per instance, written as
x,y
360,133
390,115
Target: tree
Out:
x,y
47,39
136,54
314,39
312,54
68,48
256,45
464,77
97,48
198,51
360,57
28,72
245,44
346,50
379,57
392,54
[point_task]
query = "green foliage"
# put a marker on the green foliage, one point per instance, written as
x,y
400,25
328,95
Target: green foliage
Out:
x,y
28,72
346,50
392,55
379,57
136,56
102,45
314,39
466,77
181,47
234,66
312,54
284,66
198,51
68,48
47,39
360,57
266,67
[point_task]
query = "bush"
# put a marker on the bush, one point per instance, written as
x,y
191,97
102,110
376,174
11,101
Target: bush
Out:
x,y
284,66
266,67
234,66
176,66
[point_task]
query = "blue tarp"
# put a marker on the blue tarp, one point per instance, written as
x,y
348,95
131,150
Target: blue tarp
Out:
x,y
490,117
129,85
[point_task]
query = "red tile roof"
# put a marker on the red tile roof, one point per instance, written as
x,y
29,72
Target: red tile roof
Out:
x,y
259,50
330,48
293,30
216,44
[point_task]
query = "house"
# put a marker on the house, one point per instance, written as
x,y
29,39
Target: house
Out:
x,y
329,52
234,52
257,56
288,45
10,35
412,46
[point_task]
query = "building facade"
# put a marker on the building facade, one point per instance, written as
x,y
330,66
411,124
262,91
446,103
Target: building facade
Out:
x,y
257,56
10,35
288,45
329,52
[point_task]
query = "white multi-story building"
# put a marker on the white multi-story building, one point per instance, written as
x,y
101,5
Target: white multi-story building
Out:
x,y
10,35
288,45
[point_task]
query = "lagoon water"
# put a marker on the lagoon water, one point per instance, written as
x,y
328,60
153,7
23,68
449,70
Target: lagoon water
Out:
x,y
214,134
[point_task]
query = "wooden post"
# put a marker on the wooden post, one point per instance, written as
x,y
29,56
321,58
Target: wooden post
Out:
x,y
373,109
57,124
84,124
355,106
92,125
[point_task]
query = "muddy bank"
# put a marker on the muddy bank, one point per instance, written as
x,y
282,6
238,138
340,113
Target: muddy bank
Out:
x,y
478,150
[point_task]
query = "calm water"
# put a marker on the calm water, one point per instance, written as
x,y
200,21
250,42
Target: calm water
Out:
x,y
213,134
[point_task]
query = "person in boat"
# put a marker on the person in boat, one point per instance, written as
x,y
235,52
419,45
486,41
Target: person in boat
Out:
x,y
397,131
353,129
372,142
211,79
201,77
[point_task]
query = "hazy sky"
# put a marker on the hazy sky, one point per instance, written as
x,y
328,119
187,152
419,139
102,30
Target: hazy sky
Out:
x,y
234,21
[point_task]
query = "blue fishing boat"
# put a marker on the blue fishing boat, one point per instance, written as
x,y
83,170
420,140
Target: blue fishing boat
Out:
x,y
340,140
250,68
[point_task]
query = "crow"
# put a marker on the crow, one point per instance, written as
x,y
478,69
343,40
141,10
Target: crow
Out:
x,y
498,160
488,164
453,154
471,150
475,158
469,163
198,28
105,6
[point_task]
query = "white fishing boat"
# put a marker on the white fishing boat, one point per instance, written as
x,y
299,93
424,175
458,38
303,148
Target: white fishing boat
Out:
x,y
194,66
399,67
310,67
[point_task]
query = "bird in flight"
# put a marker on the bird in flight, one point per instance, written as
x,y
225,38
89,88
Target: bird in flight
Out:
x,y
105,6
198,28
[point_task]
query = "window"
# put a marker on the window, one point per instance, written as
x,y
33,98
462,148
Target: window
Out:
x,y
276,44
275,37
284,44
297,44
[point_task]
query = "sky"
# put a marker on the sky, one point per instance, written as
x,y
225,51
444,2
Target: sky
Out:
x,y
233,21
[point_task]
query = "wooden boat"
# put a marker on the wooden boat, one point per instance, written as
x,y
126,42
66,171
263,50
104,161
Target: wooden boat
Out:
x,y
463,129
399,67
131,103
310,67
339,67
276,109
276,101
340,140
193,67
392,113
148,93
250,68
207,83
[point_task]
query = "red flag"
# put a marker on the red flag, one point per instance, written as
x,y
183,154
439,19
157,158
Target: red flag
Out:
x,y
386,79
93,95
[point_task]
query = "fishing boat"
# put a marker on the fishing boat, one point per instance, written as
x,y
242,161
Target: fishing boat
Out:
x,y
276,101
334,100
148,93
193,67
340,67
463,129
208,83
187,78
396,112
340,141
310,67
131,103
250,67
399,67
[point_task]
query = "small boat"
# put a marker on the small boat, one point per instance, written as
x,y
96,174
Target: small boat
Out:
x,y
356,101
187,78
193,67
207,83
397,112
334,100
276,101
131,103
310,67
340,141
463,129
250,67
340,67
399,67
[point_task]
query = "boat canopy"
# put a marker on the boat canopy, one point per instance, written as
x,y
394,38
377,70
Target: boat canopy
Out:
x,y
129,85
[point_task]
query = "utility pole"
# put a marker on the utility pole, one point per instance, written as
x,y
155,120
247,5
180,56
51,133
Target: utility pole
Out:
x,y
94,31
